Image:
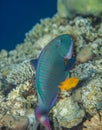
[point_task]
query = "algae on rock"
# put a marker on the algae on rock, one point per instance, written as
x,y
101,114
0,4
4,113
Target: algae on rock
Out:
x,y
71,8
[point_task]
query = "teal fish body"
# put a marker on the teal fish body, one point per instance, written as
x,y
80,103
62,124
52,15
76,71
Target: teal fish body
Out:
x,y
50,72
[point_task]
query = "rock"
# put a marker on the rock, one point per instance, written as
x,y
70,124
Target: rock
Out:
x,y
21,124
85,54
68,113
10,123
70,8
87,70
92,96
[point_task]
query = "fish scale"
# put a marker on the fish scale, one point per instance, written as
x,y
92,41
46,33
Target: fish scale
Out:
x,y
48,75
50,72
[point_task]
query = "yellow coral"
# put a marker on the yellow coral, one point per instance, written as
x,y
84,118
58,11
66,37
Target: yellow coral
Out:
x,y
69,83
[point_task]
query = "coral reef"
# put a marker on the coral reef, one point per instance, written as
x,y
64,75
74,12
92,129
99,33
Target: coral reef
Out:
x,y
70,115
87,70
20,73
70,8
18,100
92,95
85,54
14,124
72,105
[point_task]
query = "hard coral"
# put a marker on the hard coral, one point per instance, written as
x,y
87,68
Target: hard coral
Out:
x,y
20,73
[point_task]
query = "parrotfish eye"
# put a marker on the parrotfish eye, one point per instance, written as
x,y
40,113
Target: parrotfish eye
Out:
x,y
59,43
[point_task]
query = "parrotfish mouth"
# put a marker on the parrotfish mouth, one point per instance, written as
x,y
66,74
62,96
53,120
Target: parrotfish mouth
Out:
x,y
68,59
65,61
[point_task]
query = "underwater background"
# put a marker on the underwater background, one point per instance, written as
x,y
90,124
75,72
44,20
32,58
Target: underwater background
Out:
x,y
26,28
18,16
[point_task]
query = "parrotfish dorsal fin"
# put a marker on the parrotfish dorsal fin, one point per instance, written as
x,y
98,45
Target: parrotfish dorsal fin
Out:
x,y
33,62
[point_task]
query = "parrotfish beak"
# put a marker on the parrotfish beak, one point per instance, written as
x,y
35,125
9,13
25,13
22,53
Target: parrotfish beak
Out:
x,y
69,61
70,51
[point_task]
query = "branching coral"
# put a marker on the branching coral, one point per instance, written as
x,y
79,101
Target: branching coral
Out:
x,y
20,73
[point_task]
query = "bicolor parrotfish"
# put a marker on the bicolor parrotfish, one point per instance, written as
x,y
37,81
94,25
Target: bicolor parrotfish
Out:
x,y
52,68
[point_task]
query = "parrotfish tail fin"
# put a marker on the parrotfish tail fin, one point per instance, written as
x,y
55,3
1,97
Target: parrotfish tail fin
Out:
x,y
42,118
70,64
46,123
33,63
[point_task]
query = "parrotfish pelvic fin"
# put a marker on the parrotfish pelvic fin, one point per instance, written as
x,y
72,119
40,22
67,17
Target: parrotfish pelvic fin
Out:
x,y
33,63
70,64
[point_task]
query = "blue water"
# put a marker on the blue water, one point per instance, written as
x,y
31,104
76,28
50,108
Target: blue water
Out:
x,y
18,16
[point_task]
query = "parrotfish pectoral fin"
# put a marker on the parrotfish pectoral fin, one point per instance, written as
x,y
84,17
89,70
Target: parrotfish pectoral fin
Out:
x,y
69,83
70,64
33,62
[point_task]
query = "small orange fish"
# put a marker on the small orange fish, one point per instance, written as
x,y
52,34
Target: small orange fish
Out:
x,y
69,83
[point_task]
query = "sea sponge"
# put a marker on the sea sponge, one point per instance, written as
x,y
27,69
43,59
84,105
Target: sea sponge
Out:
x,y
69,83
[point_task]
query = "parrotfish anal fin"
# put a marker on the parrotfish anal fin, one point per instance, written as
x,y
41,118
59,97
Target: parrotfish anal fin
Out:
x,y
70,64
33,62
53,101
